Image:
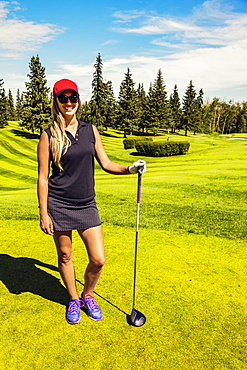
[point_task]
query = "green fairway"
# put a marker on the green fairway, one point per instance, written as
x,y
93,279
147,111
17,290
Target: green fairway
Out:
x,y
191,270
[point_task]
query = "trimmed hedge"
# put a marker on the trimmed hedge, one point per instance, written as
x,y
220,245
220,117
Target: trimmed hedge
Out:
x,y
162,148
131,143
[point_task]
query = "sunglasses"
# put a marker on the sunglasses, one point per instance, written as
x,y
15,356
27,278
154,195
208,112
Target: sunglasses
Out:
x,y
74,98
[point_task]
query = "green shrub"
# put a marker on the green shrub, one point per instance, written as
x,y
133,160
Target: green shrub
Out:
x,y
101,129
131,143
162,148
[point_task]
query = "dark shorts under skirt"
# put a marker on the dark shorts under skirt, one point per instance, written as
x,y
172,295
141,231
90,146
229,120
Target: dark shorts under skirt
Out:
x,y
68,216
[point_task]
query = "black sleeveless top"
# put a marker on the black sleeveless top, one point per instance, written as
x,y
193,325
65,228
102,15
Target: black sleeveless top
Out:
x,y
75,184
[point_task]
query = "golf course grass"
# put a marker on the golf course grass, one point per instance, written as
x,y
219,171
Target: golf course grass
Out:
x,y
191,268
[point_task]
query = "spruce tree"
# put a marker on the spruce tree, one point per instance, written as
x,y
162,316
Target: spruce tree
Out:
x,y
189,109
85,112
207,118
3,106
98,101
198,115
11,107
162,104
18,105
36,113
176,111
150,114
111,106
158,113
142,103
128,108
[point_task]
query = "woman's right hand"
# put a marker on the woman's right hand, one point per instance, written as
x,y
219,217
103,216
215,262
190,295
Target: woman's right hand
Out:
x,y
46,224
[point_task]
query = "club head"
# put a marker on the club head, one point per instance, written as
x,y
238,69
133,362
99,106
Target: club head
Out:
x,y
136,318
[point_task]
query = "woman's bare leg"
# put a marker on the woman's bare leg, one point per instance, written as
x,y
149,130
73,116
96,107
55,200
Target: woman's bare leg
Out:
x,y
63,240
93,240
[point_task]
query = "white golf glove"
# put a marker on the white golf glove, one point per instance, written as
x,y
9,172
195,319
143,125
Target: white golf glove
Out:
x,y
138,166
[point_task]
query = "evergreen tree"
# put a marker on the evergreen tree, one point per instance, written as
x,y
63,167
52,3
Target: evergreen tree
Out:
x,y
149,115
19,105
158,112
3,106
111,106
142,103
176,111
207,118
98,101
36,113
198,114
85,112
11,107
128,108
189,109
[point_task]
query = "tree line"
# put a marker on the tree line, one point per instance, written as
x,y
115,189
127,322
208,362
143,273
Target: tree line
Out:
x,y
134,110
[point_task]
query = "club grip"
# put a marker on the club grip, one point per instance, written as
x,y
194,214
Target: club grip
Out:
x,y
139,187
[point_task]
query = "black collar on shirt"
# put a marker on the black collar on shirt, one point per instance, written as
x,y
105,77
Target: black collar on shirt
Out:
x,y
74,139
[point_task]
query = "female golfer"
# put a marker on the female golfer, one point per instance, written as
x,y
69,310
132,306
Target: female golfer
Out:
x,y
66,198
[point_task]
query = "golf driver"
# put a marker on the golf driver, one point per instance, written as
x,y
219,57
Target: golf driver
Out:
x,y
136,318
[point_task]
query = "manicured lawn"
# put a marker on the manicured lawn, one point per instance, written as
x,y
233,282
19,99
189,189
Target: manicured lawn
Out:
x,y
191,281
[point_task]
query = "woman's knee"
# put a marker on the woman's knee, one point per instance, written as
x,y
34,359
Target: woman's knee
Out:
x,y
98,263
63,241
65,257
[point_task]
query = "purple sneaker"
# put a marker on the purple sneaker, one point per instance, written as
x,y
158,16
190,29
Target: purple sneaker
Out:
x,y
93,310
73,311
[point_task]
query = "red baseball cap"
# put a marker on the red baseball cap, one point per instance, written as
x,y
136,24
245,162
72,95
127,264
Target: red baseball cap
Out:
x,y
62,85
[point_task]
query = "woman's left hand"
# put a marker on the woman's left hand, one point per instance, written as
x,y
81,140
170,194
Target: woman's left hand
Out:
x,y
138,166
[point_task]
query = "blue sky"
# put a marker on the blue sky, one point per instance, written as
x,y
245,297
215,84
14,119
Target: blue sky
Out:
x,y
202,41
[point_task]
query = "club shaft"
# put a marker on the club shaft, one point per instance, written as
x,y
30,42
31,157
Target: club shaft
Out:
x,y
137,230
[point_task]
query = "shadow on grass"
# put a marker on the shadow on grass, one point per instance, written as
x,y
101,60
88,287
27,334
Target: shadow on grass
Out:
x,y
27,135
106,134
22,274
106,300
136,154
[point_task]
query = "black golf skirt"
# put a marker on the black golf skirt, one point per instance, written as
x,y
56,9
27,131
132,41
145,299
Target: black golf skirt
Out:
x,y
68,216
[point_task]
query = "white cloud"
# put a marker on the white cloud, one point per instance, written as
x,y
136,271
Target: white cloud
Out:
x,y
209,46
81,74
3,10
213,9
212,69
110,42
210,24
160,25
19,36
219,71
127,16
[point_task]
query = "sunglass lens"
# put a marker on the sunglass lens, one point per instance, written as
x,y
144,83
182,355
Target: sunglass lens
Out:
x,y
73,98
64,98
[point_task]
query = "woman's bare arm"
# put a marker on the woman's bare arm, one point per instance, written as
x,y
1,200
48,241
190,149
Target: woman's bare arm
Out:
x,y
42,185
103,160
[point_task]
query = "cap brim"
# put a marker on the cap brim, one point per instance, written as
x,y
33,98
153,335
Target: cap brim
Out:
x,y
61,91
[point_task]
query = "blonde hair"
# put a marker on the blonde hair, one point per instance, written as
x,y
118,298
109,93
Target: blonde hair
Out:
x,y
59,141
